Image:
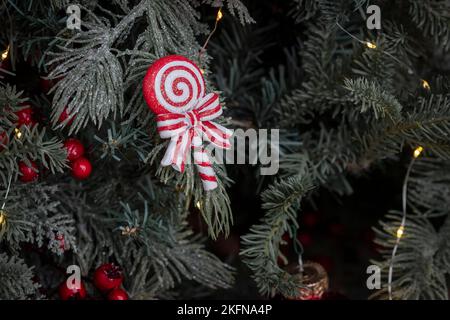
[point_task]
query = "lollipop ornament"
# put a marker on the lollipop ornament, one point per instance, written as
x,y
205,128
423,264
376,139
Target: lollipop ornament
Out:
x,y
174,89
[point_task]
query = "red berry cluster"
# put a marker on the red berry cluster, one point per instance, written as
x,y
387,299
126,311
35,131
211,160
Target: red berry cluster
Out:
x,y
81,167
107,278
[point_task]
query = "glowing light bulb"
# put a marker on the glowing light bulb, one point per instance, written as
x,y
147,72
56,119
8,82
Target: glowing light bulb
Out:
x,y
5,53
418,151
219,15
400,232
371,45
18,133
426,85
198,205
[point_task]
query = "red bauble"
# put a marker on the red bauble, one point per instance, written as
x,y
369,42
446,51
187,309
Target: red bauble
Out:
x,y
108,276
64,115
118,294
25,117
29,173
75,149
72,293
81,168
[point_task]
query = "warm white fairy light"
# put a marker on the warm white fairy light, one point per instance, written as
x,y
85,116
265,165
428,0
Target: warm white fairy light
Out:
x,y
400,232
5,54
373,46
18,133
219,15
418,151
401,229
370,45
426,85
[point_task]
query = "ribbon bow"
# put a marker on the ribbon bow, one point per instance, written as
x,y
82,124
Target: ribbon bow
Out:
x,y
186,131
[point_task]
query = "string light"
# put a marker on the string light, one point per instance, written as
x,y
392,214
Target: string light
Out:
x,y
401,228
198,205
370,45
18,133
5,53
400,232
418,151
219,15
426,85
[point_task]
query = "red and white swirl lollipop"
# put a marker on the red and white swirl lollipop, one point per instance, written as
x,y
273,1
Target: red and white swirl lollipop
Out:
x,y
174,90
173,84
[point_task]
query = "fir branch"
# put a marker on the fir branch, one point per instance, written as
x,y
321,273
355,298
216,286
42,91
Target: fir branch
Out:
x,y
417,273
261,245
16,279
371,96
37,218
236,8
433,19
427,125
33,144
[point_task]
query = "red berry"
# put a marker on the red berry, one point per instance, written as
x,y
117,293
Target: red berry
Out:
x,y
72,292
81,168
74,148
25,117
64,115
108,276
29,173
3,140
118,294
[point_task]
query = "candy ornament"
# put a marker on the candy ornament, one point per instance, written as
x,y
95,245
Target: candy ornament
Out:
x,y
174,90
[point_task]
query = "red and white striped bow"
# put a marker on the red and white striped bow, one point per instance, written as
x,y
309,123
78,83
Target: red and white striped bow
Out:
x,y
186,131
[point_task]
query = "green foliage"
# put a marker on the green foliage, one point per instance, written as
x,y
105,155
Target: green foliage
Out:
x,y
152,242
30,144
431,18
354,107
36,215
261,244
371,97
16,279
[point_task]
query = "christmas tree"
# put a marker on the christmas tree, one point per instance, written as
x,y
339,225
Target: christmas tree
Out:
x,y
103,102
